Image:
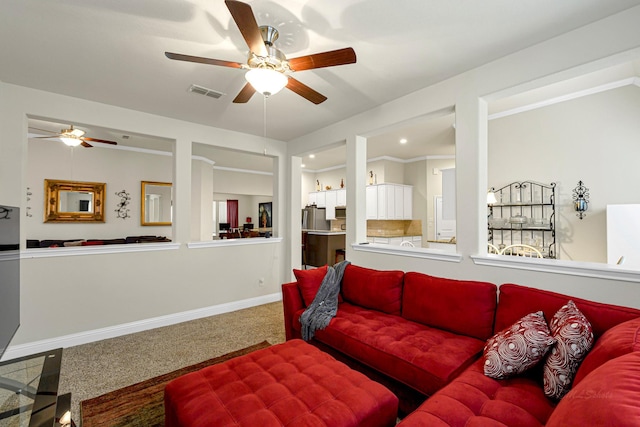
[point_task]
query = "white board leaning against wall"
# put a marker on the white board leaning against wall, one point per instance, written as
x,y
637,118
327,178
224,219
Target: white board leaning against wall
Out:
x,y
623,235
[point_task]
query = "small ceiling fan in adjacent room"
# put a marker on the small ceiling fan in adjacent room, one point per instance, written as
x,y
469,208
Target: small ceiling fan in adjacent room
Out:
x,y
73,137
268,68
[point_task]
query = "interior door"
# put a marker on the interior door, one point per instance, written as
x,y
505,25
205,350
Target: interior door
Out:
x,y
445,228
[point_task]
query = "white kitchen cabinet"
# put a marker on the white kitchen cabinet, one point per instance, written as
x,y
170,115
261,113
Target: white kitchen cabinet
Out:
x,y
389,201
398,204
331,198
341,197
313,198
386,202
321,199
407,201
372,202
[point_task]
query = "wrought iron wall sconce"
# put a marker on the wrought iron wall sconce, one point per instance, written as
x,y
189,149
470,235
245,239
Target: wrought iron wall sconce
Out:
x,y
581,199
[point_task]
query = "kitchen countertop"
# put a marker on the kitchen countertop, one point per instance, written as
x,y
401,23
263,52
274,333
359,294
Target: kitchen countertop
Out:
x,y
447,241
326,232
394,235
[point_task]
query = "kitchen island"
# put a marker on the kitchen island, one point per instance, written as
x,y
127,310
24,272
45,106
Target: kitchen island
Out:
x,y
321,246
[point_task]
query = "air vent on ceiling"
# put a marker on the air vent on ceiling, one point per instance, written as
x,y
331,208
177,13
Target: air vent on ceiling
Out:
x,y
200,90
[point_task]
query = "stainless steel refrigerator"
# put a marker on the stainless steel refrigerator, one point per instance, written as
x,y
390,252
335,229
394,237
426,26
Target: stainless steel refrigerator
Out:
x,y
314,218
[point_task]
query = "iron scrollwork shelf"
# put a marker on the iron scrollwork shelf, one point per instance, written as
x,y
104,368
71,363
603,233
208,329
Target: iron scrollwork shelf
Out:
x,y
524,212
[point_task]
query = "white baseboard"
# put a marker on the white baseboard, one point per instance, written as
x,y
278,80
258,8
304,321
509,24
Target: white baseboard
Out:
x,y
85,337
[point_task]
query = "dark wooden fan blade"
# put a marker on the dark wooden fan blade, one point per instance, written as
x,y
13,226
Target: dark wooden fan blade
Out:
x,y
246,22
103,141
245,94
325,59
305,91
201,60
86,144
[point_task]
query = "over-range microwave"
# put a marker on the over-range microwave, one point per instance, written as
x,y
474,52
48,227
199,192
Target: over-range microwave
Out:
x,y
341,213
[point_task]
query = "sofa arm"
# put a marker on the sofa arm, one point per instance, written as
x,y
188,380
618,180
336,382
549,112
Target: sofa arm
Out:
x,y
291,303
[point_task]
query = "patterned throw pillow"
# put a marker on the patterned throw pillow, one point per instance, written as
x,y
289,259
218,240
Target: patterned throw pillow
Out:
x,y
574,337
517,348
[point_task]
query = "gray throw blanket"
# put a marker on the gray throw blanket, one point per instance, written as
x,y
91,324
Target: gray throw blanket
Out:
x,y
325,304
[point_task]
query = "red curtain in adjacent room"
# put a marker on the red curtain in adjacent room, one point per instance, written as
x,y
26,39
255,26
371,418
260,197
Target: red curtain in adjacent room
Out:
x,y
232,213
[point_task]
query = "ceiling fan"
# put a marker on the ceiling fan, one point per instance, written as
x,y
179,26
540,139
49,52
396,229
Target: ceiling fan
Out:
x,y
73,137
268,67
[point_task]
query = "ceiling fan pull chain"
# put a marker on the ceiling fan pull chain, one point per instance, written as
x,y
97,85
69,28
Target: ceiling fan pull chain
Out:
x,y
264,124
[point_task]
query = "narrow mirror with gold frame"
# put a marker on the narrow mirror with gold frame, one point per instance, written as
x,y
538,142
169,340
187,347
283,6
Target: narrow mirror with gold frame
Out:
x,y
155,203
73,201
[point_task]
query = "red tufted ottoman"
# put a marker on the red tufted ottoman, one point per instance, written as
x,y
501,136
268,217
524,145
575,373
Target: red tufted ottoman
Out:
x,y
289,384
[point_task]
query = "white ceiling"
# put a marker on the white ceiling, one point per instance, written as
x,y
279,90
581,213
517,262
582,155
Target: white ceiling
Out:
x,y
112,51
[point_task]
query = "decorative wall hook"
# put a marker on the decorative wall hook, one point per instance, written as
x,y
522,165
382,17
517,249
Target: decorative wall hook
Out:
x,y
581,199
122,210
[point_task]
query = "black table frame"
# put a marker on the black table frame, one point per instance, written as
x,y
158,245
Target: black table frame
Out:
x,y
46,408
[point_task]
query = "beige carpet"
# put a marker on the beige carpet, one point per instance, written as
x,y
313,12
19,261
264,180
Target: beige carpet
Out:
x,y
142,404
91,370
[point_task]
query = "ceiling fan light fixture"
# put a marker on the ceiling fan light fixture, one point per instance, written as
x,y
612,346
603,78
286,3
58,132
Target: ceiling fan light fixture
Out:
x,y
71,140
266,81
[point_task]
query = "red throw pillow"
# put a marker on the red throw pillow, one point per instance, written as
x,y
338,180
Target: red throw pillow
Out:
x,y
309,282
517,348
574,337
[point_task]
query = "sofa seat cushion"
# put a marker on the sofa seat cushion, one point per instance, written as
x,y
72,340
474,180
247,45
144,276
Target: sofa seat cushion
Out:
x,y
419,356
608,396
474,399
292,383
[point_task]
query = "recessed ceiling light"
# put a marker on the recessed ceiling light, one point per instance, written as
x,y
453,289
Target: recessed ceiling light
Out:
x,y
312,156
303,165
403,141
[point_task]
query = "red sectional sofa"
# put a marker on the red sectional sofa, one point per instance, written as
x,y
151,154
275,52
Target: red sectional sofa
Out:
x,y
423,337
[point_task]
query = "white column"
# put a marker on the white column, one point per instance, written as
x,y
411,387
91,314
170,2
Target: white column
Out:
x,y
356,190
471,175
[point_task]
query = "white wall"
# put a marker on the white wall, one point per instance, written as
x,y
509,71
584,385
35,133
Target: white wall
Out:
x,y
308,185
236,182
611,41
594,139
103,291
120,170
62,296
201,200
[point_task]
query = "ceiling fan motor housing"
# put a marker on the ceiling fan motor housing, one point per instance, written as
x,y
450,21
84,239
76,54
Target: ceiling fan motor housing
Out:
x,y
269,34
276,60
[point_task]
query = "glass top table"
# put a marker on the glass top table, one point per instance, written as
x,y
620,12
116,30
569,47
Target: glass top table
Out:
x,y
29,392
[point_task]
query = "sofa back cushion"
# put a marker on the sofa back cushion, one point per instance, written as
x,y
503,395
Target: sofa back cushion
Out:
x,y
309,282
606,397
617,341
516,301
375,289
460,306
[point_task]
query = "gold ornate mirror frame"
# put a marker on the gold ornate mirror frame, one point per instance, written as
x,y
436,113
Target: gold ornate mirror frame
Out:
x,y
56,209
155,203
